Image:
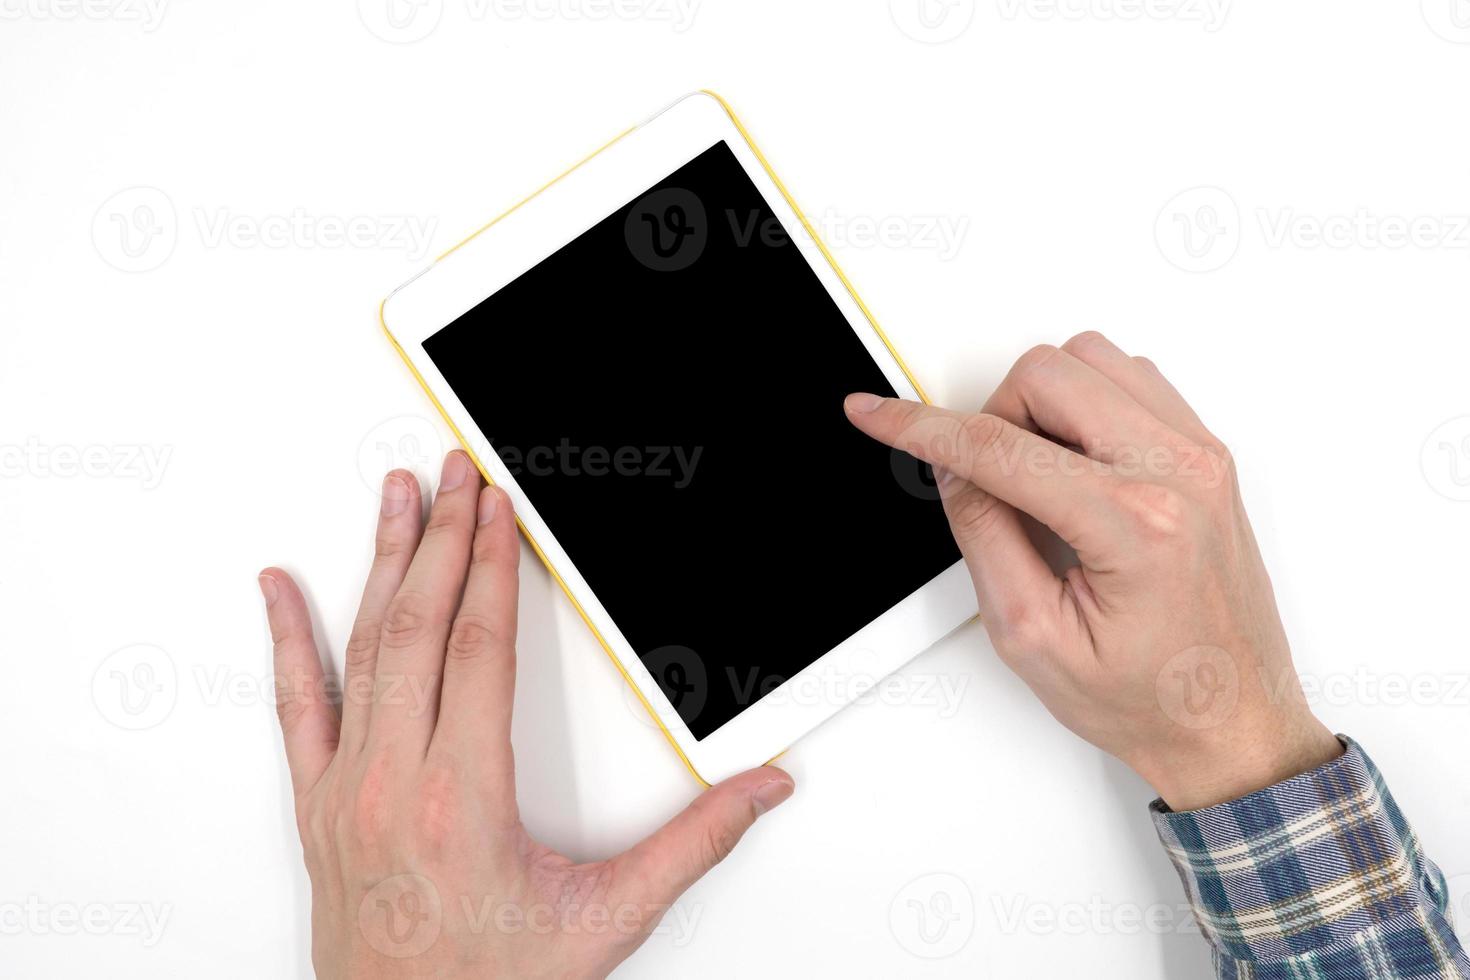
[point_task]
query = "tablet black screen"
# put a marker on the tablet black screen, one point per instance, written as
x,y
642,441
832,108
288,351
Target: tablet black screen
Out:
x,y
667,390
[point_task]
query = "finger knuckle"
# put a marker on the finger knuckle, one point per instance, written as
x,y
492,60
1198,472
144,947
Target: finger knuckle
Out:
x,y
362,645
406,621
908,418
280,633
1021,629
446,520
470,638
976,516
292,705
1035,358
983,434
718,842
1087,340
1148,365
1155,510
390,549
486,550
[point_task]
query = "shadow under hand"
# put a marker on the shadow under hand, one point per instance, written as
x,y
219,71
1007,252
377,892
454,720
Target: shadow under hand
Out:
x,y
546,786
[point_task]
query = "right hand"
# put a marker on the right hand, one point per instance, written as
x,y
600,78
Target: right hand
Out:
x,y
1163,646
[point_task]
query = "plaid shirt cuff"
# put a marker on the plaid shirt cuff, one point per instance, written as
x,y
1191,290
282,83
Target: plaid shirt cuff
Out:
x,y
1316,878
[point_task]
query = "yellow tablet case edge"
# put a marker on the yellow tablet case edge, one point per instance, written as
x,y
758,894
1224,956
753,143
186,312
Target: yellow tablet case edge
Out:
x,y
465,444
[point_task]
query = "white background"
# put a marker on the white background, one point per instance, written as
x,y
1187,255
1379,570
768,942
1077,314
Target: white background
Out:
x,y
250,381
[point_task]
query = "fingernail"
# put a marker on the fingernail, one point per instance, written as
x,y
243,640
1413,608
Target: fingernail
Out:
x,y
456,468
268,589
770,795
395,495
861,403
943,477
488,501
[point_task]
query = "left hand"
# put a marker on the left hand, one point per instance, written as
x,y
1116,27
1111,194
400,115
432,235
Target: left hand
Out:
x,y
418,860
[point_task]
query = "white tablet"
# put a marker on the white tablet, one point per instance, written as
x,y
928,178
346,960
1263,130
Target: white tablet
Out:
x,y
650,356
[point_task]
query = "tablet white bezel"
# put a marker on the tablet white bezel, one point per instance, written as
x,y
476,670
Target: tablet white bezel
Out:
x,y
533,230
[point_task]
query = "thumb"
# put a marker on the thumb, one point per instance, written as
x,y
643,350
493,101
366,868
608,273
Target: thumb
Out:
x,y
659,868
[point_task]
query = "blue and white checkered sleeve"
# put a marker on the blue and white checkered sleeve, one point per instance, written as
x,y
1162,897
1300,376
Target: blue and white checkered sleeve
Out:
x,y
1316,878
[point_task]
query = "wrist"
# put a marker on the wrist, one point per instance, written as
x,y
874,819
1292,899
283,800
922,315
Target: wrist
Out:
x,y
1227,765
